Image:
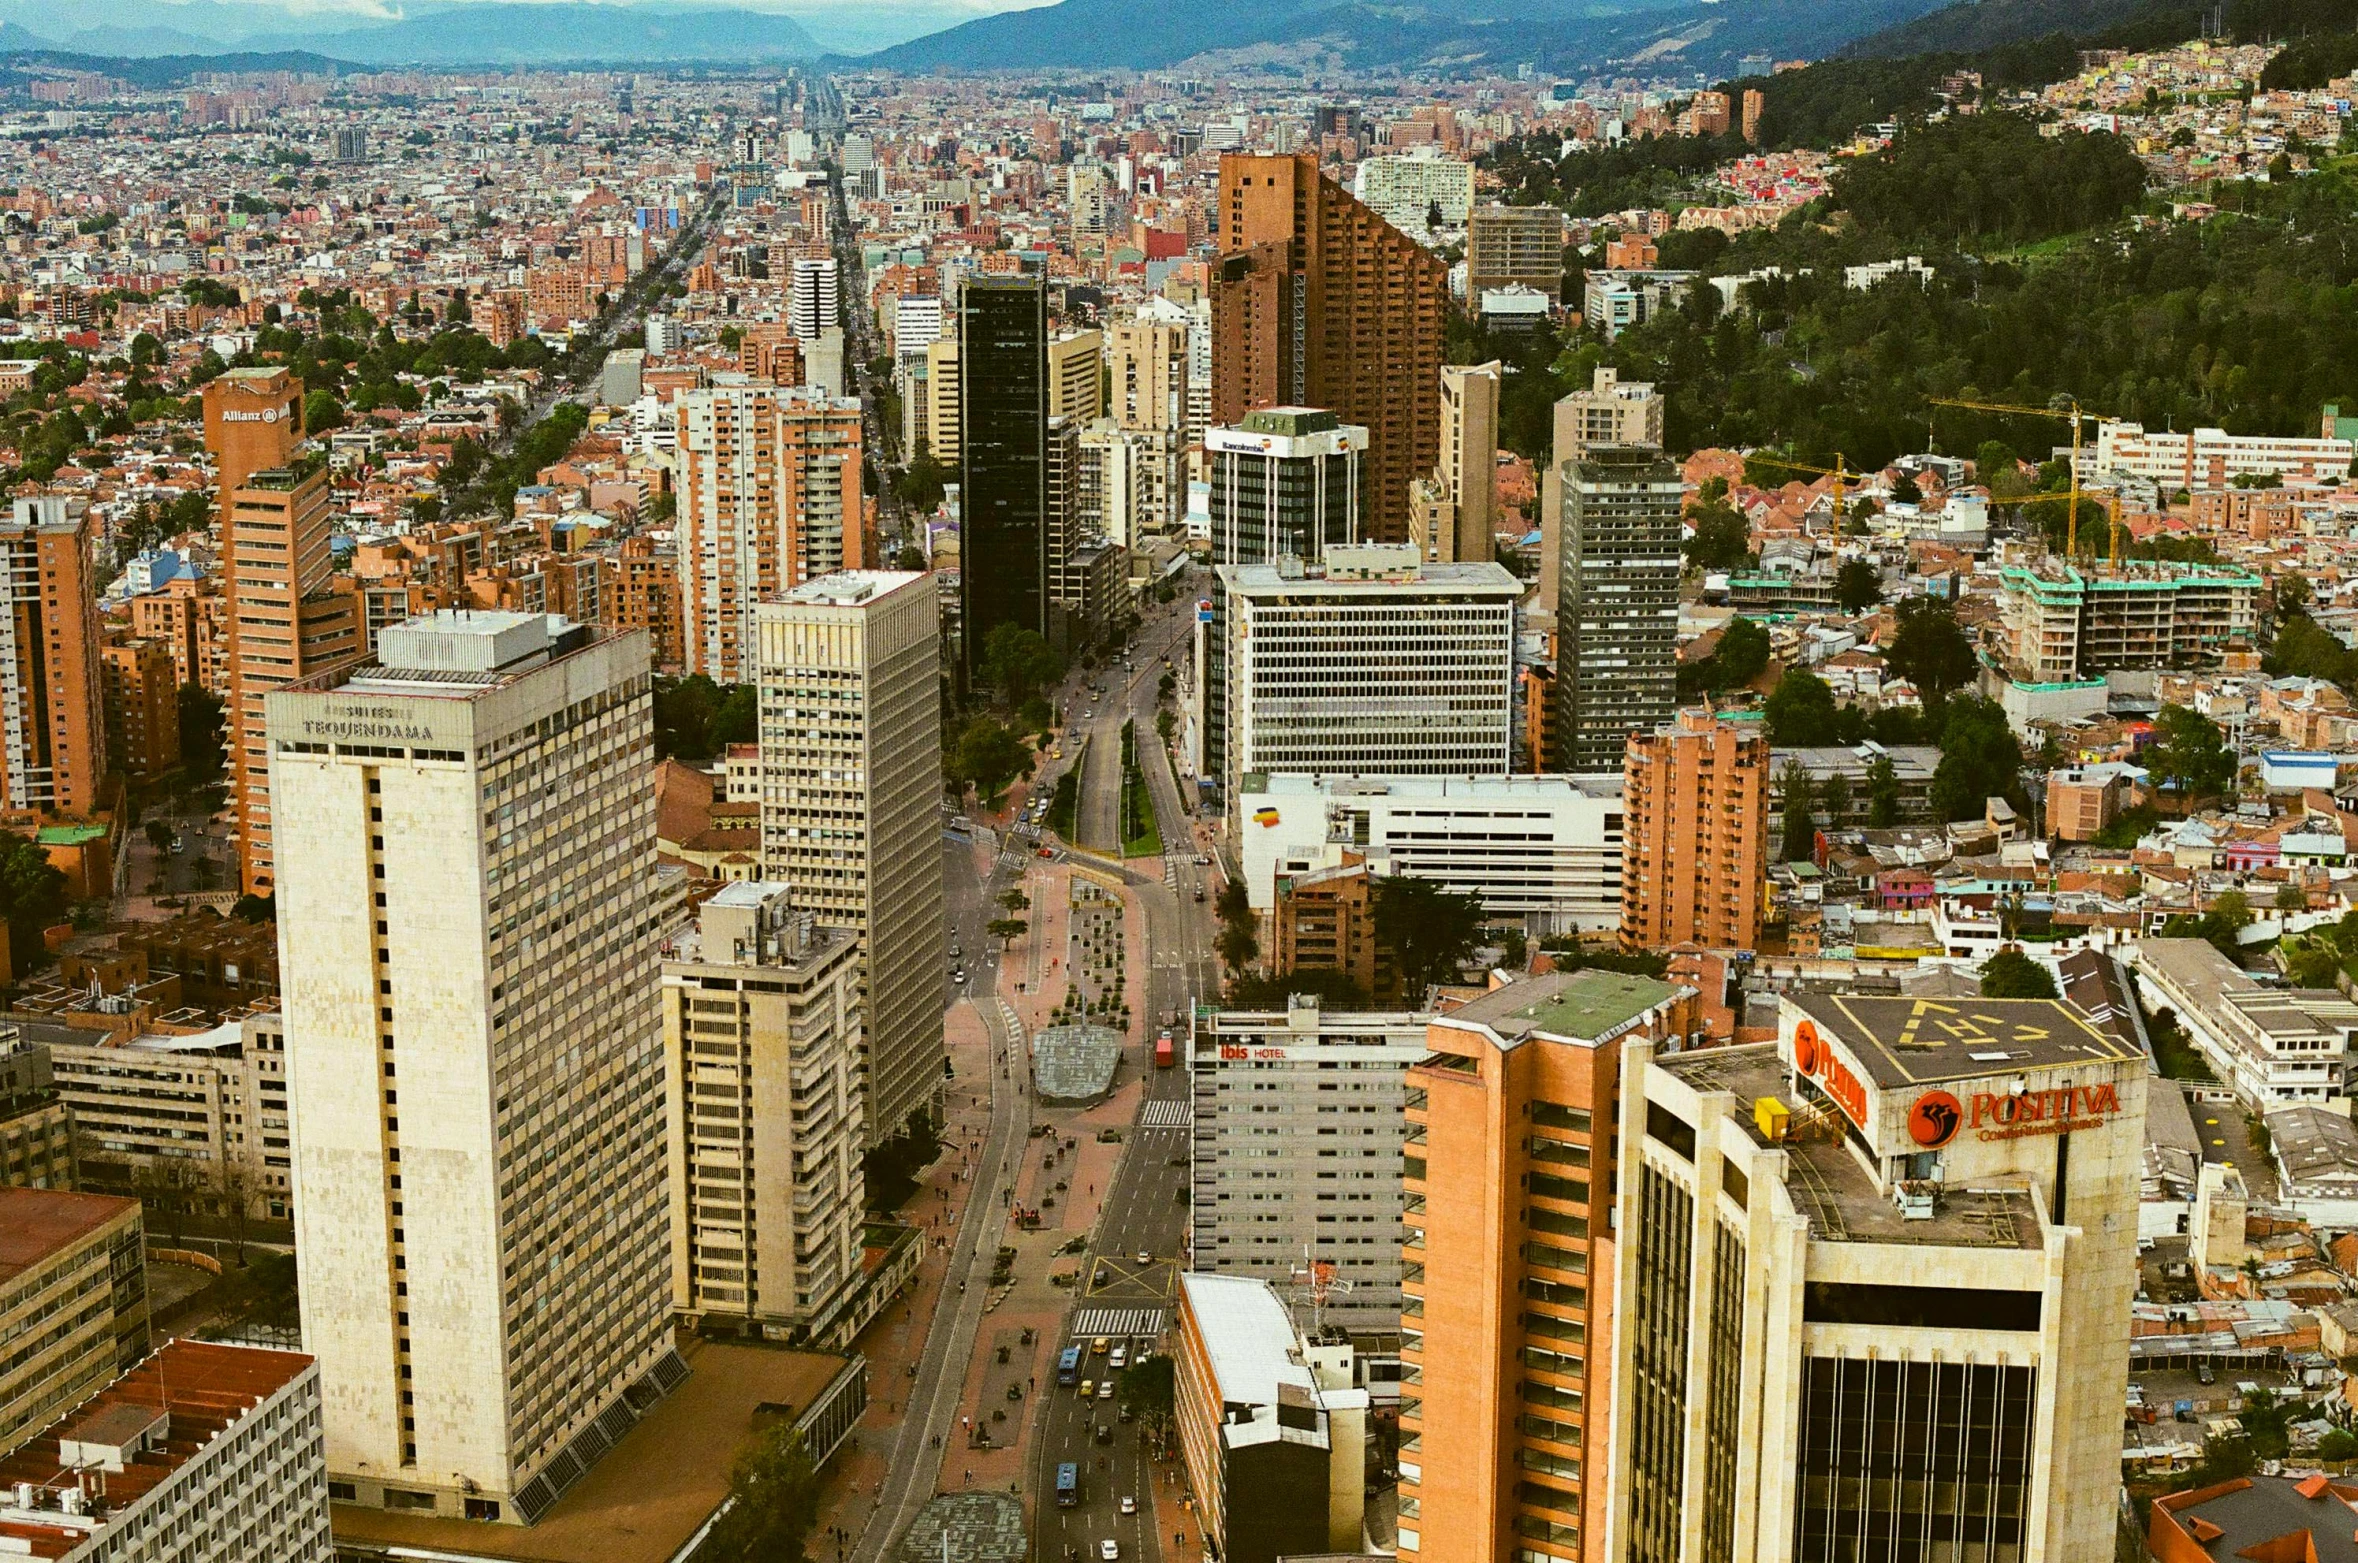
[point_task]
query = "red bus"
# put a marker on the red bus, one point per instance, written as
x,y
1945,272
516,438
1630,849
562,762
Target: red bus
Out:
x,y
1163,1054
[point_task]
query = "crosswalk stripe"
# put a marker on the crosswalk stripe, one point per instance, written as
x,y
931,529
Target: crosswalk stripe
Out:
x,y
1092,1322
1167,1115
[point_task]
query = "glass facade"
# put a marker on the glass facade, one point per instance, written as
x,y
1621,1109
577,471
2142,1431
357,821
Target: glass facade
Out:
x,y
1003,478
1906,1461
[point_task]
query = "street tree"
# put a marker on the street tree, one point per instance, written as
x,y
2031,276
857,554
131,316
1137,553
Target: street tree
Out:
x,y
773,1503
1429,930
1929,649
1800,821
2010,974
2190,755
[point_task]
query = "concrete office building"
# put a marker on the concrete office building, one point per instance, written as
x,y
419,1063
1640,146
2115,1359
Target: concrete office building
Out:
x,y
849,686
1004,570
1546,849
2213,458
1076,377
207,1109
203,1453
1295,1153
140,689
1132,483
36,1135
2275,1047
1874,1285
53,751
1272,1431
1377,664
761,1048
770,496
467,954
1285,481
1317,301
1616,605
944,403
1148,360
1609,412
1515,246
1453,513
73,1302
1507,1265
1695,797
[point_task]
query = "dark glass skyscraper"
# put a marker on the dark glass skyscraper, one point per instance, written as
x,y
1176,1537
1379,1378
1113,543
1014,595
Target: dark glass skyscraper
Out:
x,y
1003,565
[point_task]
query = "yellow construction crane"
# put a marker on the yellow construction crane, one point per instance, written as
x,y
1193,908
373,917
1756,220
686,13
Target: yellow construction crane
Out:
x,y
2067,407
1840,472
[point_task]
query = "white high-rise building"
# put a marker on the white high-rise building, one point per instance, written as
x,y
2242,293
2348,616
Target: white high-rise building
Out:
x,y
814,304
849,675
468,963
1377,664
662,334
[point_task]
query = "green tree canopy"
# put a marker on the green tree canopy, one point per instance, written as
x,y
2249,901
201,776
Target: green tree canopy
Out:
x,y
1929,649
1801,713
1800,820
1858,586
773,1503
2189,754
2010,974
1980,760
1883,793
1429,930
1723,538
987,756
1017,661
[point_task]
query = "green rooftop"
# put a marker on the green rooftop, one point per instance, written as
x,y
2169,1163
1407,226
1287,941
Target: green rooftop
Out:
x,y
1590,1005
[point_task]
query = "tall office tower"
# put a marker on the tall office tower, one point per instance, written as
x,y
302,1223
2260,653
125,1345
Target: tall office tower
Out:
x,y
253,423
467,960
769,497
1295,1150
1319,302
1286,481
351,145
1514,246
1875,1282
1694,795
1133,482
945,403
290,617
1076,377
850,691
1148,359
1067,529
1004,572
1608,413
53,750
1453,513
1616,606
1507,1263
761,1041
917,323
813,302
141,692
1377,665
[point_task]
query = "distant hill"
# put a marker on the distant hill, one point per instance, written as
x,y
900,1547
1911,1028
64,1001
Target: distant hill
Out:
x,y
1977,25
166,70
570,33
1557,36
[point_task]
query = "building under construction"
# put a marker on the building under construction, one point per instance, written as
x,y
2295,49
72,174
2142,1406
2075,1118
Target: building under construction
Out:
x,y
2060,624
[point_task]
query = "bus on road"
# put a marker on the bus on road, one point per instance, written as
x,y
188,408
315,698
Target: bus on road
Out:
x,y
1068,1485
1165,1055
1068,1367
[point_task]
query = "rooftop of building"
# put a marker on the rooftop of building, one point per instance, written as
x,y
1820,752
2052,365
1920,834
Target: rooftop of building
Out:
x,y
38,1224
1902,1042
2314,1145
648,1496
1421,789
155,1419
1372,572
849,588
1830,1186
1589,1006
457,654
1247,1333
2239,1519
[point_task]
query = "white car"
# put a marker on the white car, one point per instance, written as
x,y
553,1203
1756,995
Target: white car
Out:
x,y
1129,1505
1109,1549
1119,1359
1105,1389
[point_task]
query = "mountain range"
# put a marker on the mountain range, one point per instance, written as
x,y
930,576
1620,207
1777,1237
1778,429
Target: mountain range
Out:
x,y
1701,38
